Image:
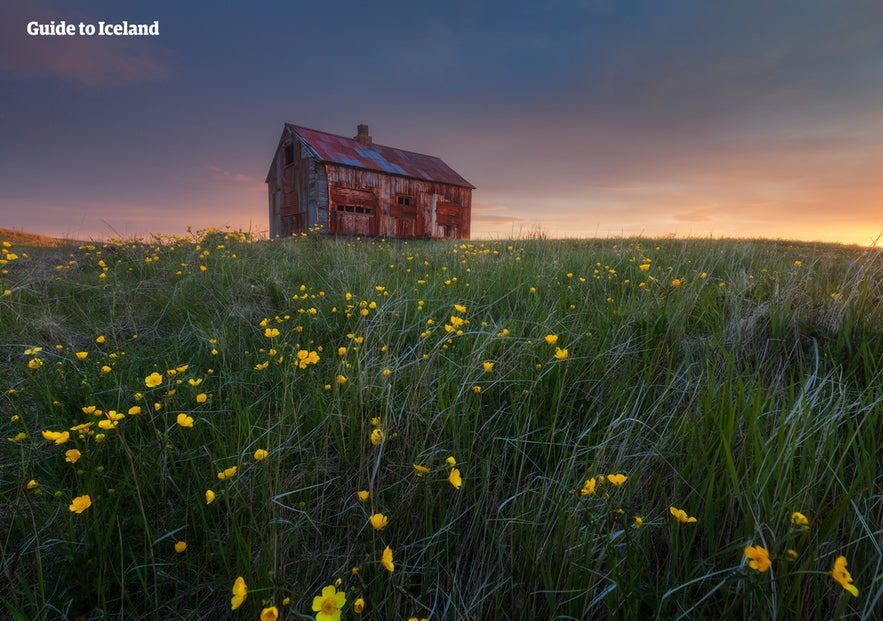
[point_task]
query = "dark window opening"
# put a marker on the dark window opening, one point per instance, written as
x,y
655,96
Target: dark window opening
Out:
x,y
289,154
404,200
355,209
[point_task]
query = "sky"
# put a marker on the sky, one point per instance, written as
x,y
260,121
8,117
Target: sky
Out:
x,y
573,118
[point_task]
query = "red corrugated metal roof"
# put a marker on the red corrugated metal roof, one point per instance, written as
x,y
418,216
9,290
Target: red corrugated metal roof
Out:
x,y
349,152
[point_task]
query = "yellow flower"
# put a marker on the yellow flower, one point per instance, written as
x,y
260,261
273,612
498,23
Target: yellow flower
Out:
x,y
81,355
589,487
72,456
99,339
35,363
271,333
758,558
377,436
841,575
180,546
328,604
451,461
80,503
455,479
32,484
340,379
209,496
59,437
260,454
798,519
240,592
639,521
341,351
617,479
551,339
644,267
270,614
359,606
386,559
263,365
488,367
106,369
378,521
680,515
561,354
201,397
459,308
184,420
421,470
791,554
21,435
153,380
676,282
134,410
362,495
228,473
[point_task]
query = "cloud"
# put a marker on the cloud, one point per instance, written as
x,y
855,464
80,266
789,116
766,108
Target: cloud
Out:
x,y
92,61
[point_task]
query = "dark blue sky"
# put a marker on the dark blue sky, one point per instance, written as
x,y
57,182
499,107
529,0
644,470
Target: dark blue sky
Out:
x,y
575,117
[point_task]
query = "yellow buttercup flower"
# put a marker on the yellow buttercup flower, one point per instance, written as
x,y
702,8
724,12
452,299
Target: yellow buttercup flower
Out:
x,y
228,473
82,355
617,479
561,354
451,461
377,436
639,521
551,339
420,470
72,456
589,487
270,614
798,519
676,282
842,575
59,437
455,479
328,605
378,521
80,503
271,333
359,606
184,420
240,592
260,454
32,484
201,397
180,546
386,559
459,308
488,367
758,558
362,495
209,496
153,380
680,515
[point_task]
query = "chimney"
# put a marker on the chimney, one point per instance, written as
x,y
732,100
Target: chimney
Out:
x,y
362,137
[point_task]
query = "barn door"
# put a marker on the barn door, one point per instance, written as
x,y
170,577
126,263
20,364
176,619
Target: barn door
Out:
x,y
353,212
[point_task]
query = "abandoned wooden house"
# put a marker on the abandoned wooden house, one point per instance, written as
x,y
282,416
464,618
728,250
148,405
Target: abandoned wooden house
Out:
x,y
351,186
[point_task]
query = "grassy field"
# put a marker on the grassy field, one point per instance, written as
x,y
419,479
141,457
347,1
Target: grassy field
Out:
x,y
529,429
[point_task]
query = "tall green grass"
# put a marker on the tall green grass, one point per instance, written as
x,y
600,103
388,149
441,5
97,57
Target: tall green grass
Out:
x,y
739,381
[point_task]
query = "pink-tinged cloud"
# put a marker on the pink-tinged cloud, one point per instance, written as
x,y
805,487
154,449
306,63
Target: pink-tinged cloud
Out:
x,y
93,61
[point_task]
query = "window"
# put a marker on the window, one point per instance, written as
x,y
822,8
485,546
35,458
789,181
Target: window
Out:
x,y
289,154
355,209
401,199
